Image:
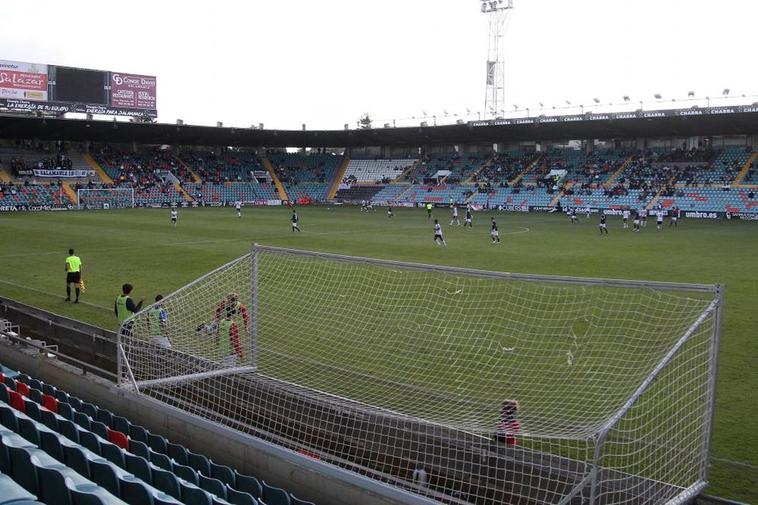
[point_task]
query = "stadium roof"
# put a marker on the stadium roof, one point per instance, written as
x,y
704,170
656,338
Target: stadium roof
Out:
x,y
669,123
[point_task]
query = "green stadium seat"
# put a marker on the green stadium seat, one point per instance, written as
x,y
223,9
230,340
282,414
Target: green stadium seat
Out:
x,y
51,444
121,424
28,429
10,492
161,461
89,409
8,418
36,395
83,420
113,453
177,452
11,383
192,495
296,501
4,397
135,492
138,433
61,396
104,416
65,411
48,389
139,448
239,498
104,476
49,420
185,472
52,487
100,429
83,496
274,495
35,384
213,486
199,463
167,482
75,403
249,484
32,410
77,460
90,441
138,466
68,429
156,443
23,471
223,473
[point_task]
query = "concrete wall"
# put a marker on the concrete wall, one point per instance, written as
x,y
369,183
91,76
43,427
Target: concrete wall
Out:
x,y
306,478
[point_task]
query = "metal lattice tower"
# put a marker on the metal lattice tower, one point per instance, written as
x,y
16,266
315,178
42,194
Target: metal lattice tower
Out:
x,y
498,13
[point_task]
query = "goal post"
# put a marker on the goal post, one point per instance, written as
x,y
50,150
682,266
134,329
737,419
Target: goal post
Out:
x,y
105,198
496,387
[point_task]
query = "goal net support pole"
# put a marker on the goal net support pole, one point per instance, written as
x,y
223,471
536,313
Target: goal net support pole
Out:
x,y
395,369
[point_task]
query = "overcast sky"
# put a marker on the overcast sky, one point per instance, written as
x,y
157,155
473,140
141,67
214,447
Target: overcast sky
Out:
x,y
324,63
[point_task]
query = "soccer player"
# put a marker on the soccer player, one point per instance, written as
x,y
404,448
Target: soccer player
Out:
x,y
467,220
438,238
659,219
603,226
494,234
124,306
674,217
174,215
389,212
238,208
228,337
364,208
508,427
626,218
643,215
157,324
572,215
429,208
73,275
295,220
370,206
636,220
455,216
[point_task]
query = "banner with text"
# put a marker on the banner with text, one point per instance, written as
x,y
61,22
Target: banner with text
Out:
x,y
23,81
64,173
133,91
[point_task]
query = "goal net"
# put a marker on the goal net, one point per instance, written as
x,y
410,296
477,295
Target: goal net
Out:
x,y
462,385
105,198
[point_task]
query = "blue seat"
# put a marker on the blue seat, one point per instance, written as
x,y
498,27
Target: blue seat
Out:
x,y
100,429
86,497
8,417
23,471
68,429
90,441
52,487
32,410
199,463
296,501
12,492
49,420
213,486
35,384
139,448
249,484
192,495
138,466
112,453
51,444
161,461
75,403
89,409
83,420
156,443
121,424
105,417
77,460
4,398
10,383
177,452
167,482
49,390
61,396
185,472
239,498
138,433
223,473
35,395
275,496
28,429
65,411
104,476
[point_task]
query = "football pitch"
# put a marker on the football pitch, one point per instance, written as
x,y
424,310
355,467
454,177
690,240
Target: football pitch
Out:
x,y
142,248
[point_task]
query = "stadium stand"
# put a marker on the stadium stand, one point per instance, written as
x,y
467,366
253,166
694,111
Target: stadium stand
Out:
x,y
62,450
33,195
357,193
226,192
306,176
375,171
460,165
389,194
227,166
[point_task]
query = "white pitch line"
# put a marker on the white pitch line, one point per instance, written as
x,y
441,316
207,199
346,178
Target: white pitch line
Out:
x,y
29,288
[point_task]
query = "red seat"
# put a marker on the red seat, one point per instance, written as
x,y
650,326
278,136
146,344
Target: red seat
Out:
x,y
17,401
118,438
50,403
2,378
22,388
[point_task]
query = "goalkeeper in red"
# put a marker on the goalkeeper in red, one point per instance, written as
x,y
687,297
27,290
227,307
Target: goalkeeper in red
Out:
x,y
508,427
231,316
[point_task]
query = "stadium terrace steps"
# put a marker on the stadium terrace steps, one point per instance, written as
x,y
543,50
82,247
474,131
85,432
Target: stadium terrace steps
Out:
x,y
612,179
180,190
338,175
94,165
744,170
70,192
537,160
196,178
279,187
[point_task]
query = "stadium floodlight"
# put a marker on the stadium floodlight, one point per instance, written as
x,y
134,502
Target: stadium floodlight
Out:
x,y
601,390
498,15
725,92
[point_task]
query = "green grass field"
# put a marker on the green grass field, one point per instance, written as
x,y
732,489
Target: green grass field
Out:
x,y
141,247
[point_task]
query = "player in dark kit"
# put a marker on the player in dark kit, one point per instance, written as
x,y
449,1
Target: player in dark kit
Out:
x,y
294,219
494,233
603,226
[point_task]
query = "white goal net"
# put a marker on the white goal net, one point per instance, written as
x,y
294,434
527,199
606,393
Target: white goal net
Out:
x,y
465,386
105,198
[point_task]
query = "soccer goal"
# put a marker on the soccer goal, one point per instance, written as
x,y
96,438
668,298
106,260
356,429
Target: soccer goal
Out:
x,y
462,385
105,198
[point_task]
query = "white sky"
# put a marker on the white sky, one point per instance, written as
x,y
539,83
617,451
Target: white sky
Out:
x,y
288,62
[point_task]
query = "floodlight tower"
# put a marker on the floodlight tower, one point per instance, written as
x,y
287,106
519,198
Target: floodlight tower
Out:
x,y
497,12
